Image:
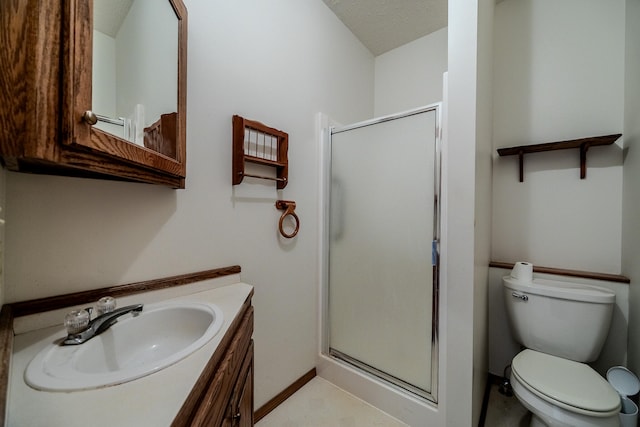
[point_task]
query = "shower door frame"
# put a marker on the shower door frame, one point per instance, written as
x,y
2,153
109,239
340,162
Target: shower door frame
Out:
x,y
325,156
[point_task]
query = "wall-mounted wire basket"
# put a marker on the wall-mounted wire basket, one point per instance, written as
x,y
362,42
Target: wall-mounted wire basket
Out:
x,y
260,144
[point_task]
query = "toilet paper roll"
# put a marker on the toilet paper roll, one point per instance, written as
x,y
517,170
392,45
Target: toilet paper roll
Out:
x,y
522,271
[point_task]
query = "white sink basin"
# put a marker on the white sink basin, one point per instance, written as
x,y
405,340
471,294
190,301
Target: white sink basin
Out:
x,y
134,347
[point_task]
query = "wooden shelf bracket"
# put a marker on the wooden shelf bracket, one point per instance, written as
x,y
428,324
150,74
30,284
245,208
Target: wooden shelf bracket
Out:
x,y
583,144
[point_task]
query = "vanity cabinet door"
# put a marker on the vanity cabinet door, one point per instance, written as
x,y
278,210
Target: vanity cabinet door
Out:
x,y
47,99
228,399
241,405
246,402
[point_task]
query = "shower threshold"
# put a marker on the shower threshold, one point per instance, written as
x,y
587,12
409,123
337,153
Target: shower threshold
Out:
x,y
386,378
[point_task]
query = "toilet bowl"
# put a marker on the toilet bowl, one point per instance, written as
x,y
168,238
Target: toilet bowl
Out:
x,y
563,393
562,326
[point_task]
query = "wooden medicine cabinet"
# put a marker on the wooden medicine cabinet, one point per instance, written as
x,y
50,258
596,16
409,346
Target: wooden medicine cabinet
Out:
x,y
79,98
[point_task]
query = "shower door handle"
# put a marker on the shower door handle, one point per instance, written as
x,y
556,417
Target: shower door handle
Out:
x,y
336,214
434,253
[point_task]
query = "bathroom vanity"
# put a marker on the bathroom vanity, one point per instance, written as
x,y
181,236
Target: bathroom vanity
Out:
x,y
213,386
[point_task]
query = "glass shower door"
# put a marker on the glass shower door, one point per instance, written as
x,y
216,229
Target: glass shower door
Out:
x,y
382,227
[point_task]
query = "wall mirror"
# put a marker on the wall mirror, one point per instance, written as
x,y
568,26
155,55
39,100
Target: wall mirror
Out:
x,y
135,71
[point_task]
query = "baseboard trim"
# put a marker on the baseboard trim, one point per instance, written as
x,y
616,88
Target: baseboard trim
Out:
x,y
283,395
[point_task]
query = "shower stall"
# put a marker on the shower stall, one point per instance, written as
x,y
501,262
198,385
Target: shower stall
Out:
x,y
381,238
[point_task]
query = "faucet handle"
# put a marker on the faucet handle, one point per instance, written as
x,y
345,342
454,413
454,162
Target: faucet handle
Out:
x,y
76,321
105,305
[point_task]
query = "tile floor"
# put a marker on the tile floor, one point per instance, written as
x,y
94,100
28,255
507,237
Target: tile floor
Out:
x,y
321,404
503,411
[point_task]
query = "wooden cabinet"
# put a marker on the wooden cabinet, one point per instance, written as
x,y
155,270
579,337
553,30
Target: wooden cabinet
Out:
x,y
223,395
240,407
46,49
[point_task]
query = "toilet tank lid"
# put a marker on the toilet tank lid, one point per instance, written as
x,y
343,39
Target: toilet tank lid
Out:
x,y
562,290
623,380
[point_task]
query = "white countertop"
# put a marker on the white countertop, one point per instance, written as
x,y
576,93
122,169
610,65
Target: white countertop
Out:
x,y
153,400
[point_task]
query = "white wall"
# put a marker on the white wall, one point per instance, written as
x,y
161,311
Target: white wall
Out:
x,y
483,196
147,60
558,75
104,75
410,76
138,66
631,195
459,157
69,234
103,86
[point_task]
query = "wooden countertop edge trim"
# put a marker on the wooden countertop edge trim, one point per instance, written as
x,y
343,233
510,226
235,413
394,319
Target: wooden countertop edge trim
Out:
x,y
6,349
569,273
24,308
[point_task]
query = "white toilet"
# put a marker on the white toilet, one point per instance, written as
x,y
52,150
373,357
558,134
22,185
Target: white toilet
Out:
x,y
562,325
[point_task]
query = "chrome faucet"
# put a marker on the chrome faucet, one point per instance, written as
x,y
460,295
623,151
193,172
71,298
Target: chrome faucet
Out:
x,y
101,324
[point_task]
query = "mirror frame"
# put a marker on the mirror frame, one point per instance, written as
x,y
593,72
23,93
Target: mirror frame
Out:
x,y
76,83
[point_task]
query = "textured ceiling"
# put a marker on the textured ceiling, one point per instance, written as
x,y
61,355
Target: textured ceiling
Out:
x,y
382,25
109,14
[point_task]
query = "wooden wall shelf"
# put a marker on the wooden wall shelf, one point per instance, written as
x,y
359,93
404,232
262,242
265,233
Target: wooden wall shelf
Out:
x,y
257,143
583,144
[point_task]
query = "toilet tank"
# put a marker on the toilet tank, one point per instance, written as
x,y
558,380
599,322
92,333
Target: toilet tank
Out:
x,y
567,320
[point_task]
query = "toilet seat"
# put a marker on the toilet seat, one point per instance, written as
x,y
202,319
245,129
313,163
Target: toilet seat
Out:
x,y
565,383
